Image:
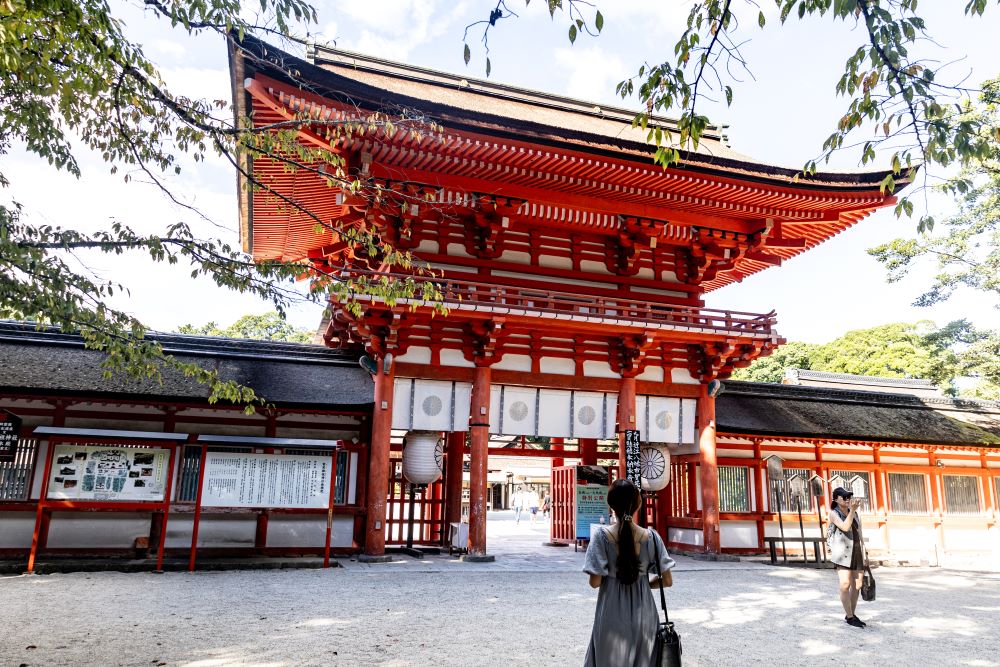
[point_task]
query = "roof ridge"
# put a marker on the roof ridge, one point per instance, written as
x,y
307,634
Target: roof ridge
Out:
x,y
871,379
178,343
427,75
856,396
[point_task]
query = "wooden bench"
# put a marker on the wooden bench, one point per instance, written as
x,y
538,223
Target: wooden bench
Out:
x,y
803,541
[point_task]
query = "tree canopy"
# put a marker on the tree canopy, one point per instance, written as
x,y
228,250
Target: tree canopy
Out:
x,y
943,355
266,326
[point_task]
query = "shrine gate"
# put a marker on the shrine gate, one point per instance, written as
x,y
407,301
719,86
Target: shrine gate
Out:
x,y
573,268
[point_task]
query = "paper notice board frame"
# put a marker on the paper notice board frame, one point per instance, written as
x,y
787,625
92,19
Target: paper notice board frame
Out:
x,y
46,506
333,451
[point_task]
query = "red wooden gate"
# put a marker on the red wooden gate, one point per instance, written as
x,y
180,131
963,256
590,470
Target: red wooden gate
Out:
x,y
428,510
563,526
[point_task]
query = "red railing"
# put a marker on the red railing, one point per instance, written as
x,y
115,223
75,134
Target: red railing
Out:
x,y
464,294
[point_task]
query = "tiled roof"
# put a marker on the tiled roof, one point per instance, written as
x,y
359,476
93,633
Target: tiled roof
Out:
x,y
49,361
813,412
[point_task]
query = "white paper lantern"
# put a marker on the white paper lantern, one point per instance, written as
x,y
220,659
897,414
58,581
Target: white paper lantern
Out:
x,y
422,457
654,464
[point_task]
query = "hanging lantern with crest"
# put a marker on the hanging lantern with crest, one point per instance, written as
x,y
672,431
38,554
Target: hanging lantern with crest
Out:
x,y
422,454
654,464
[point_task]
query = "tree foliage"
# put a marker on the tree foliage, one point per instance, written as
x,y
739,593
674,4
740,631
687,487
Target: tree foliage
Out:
x,y
898,350
967,249
266,326
897,97
72,81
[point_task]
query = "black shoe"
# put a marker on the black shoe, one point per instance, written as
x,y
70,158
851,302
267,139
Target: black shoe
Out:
x,y
863,624
855,621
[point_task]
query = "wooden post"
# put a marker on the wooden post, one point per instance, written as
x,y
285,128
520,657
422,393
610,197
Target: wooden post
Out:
x,y
626,418
197,510
167,496
329,510
455,456
557,445
881,505
936,503
40,536
479,430
378,463
760,479
709,472
588,451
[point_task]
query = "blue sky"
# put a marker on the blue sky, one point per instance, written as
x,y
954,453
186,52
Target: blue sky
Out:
x,y
780,115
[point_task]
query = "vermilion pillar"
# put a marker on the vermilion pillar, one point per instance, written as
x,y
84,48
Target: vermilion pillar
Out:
x,y
626,418
588,451
378,462
557,445
880,498
479,432
709,471
455,455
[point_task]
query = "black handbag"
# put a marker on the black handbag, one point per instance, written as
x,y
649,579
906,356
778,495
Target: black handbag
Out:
x,y
667,646
868,579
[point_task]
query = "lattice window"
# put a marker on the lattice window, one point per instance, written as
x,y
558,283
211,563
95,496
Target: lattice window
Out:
x,y
843,478
190,462
785,489
907,493
15,476
961,494
734,489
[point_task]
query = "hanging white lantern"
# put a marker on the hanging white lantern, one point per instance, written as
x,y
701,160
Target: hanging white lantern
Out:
x,y
654,464
422,457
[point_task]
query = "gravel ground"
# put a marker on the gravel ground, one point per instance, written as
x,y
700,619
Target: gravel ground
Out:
x,y
441,612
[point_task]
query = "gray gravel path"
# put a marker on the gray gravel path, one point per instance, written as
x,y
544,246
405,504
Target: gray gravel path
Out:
x,y
447,613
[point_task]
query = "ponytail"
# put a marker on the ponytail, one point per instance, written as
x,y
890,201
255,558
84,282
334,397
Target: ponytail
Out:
x,y
623,498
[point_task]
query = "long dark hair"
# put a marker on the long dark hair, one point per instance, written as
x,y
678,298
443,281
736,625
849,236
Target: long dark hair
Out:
x,y
623,498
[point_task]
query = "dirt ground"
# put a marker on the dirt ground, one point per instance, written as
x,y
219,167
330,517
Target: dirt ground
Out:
x,y
442,612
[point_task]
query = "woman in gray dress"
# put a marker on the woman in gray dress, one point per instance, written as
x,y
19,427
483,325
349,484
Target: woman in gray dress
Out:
x,y
620,560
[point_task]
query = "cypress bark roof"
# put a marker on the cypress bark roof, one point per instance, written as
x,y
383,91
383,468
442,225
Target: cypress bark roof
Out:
x,y
811,412
48,361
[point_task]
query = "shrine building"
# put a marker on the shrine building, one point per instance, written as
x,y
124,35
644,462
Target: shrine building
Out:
x,y
573,268
573,272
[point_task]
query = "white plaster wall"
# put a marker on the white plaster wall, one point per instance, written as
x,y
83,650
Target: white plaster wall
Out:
x,y
308,531
594,267
428,245
514,362
967,539
455,358
457,250
553,262
598,369
847,458
36,482
515,257
557,366
109,530
681,376
236,530
16,529
738,534
646,273
416,355
652,373
688,536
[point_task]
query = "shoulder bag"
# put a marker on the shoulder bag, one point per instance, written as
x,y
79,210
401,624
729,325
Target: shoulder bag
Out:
x,y
667,646
868,579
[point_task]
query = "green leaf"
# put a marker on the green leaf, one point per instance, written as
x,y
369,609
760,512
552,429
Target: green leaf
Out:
x,y
761,20
488,67
599,21
467,54
572,34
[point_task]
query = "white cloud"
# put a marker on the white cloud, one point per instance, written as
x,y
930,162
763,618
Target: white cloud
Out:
x,y
590,73
391,29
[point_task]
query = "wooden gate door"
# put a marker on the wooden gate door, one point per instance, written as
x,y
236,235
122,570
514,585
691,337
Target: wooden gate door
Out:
x,y
563,524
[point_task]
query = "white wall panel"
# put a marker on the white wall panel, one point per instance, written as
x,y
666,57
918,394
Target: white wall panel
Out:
x,y
431,405
555,414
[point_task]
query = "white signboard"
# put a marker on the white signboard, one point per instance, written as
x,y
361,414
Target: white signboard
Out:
x,y
266,480
107,473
